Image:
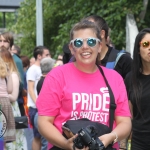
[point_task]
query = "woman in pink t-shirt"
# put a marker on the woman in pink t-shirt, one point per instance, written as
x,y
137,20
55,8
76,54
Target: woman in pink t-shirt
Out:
x,y
78,90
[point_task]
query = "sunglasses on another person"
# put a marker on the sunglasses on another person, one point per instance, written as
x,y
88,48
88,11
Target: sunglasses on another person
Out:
x,y
78,43
145,44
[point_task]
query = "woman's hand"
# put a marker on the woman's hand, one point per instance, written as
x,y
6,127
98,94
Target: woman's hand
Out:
x,y
107,139
70,143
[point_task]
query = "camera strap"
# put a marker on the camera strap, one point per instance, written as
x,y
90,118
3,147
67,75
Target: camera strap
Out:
x,y
112,100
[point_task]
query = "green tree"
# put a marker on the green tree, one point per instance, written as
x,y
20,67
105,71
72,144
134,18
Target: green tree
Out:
x,y
59,16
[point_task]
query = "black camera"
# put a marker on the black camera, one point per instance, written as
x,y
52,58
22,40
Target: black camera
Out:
x,y
88,137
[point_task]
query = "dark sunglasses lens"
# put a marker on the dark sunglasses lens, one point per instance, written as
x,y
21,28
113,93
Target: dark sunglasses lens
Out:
x,y
78,43
91,42
145,44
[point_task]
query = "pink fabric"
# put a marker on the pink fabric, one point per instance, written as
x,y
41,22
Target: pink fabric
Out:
x,y
68,93
3,88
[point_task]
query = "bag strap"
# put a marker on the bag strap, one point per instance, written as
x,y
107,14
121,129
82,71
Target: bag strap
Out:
x,y
112,100
122,52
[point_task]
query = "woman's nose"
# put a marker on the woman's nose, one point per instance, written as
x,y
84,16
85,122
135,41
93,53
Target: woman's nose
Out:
x,y
85,45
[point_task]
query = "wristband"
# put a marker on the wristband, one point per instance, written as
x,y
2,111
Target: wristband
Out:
x,y
116,139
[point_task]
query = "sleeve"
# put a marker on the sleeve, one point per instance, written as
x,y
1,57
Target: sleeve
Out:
x,y
49,100
31,74
15,81
122,101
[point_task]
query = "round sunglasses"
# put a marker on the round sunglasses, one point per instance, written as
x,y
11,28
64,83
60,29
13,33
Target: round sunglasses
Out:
x,y
78,43
145,44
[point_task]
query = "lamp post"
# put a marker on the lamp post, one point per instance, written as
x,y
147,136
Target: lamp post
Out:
x,y
39,23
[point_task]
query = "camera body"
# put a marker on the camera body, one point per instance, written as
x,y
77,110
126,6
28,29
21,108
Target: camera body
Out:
x,y
88,137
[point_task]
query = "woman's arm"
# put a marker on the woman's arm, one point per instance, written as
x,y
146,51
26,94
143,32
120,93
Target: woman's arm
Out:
x,y
15,82
50,132
122,130
9,84
131,108
124,142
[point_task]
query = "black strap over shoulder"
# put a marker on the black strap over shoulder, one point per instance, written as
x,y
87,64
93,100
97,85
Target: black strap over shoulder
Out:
x,y
112,100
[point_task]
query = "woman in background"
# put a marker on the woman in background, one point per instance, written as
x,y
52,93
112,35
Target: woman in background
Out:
x,y
20,142
5,89
138,89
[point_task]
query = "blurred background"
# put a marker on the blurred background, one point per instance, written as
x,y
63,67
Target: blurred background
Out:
x,y
124,17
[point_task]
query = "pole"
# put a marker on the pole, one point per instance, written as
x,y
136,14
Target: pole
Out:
x,y
39,23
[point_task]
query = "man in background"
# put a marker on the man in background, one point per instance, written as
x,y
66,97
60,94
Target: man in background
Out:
x,y
16,49
33,76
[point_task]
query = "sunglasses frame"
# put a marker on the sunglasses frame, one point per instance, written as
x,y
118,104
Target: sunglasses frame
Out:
x,y
141,43
72,41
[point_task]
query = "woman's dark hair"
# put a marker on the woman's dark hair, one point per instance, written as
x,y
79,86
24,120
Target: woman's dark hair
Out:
x,y
137,66
100,22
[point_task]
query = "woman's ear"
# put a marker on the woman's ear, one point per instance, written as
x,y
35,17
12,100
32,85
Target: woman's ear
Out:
x,y
102,34
100,47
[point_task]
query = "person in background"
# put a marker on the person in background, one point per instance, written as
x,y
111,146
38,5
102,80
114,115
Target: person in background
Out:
x,y
28,131
32,61
59,60
46,65
7,41
16,50
138,86
67,54
6,88
26,64
109,53
61,97
33,76
20,142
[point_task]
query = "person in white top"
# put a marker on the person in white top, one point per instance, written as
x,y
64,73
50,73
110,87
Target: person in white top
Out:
x,y
33,76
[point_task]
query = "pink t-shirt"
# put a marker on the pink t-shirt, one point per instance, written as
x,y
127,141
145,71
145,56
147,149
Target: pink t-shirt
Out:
x,y
69,93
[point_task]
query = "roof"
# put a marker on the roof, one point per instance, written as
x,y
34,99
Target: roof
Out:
x,y
9,5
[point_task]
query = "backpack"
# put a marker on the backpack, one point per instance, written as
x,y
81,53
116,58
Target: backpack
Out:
x,y
113,58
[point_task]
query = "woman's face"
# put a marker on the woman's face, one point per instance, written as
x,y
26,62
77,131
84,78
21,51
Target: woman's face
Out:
x,y
85,54
145,48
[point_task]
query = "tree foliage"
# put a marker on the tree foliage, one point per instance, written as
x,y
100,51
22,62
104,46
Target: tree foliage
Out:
x,y
59,16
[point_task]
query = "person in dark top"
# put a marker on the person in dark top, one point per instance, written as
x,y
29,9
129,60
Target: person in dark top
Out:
x,y
67,54
138,89
108,53
123,65
40,83
46,65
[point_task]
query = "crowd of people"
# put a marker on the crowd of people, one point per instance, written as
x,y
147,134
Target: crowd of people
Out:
x,y
50,92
